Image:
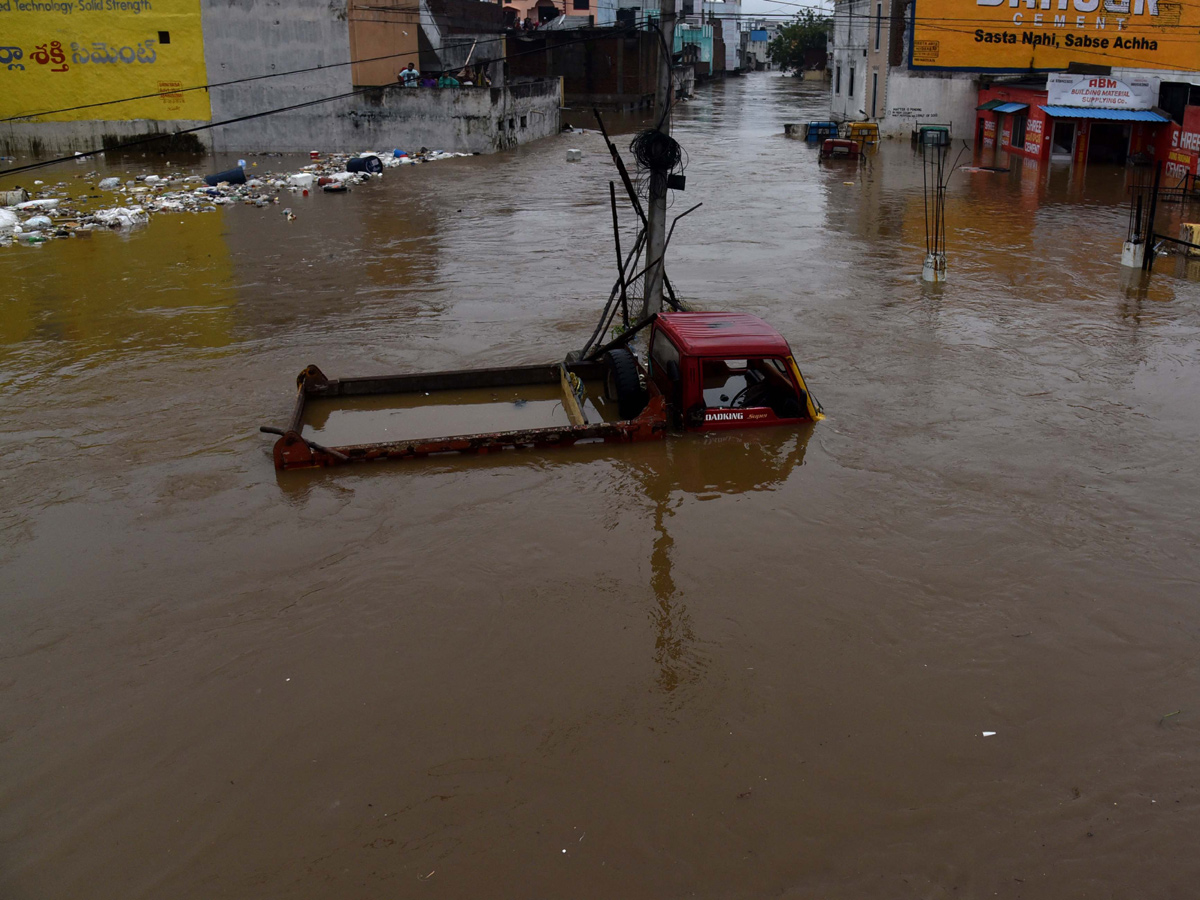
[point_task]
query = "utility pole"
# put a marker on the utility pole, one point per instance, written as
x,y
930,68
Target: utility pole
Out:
x,y
656,226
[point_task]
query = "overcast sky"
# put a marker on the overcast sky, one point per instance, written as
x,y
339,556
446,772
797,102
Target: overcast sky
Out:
x,y
775,9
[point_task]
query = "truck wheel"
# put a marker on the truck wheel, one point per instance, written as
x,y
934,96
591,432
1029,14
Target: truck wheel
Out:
x,y
623,384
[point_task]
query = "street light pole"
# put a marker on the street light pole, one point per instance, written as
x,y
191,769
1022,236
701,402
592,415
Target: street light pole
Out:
x,y
656,226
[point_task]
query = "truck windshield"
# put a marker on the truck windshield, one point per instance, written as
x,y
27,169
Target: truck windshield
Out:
x,y
742,383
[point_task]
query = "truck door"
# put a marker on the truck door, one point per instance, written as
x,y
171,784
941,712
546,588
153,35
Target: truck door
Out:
x,y
665,368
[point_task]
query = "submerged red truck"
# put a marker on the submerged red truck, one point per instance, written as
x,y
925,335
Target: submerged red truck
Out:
x,y
705,371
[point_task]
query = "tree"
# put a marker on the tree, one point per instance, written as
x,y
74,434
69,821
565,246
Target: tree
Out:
x,y
808,31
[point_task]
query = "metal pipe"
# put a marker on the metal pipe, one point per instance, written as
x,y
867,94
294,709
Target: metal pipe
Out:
x,y
1148,260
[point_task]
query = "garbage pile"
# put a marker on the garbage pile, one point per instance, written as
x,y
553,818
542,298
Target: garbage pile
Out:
x,y
59,210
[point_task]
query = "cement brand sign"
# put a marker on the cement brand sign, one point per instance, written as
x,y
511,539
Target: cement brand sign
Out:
x,y
1098,92
1019,35
56,54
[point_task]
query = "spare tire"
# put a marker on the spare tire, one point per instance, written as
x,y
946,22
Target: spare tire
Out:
x,y
623,384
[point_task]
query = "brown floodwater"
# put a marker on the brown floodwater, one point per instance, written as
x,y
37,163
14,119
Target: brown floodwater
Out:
x,y
738,665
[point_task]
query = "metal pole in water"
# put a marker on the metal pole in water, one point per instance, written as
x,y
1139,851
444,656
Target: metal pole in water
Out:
x,y
656,228
1148,260
934,267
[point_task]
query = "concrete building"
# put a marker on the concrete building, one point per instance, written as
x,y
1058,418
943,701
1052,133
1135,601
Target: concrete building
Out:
x,y
608,67
872,81
881,69
574,13
1088,118
729,15
325,102
697,45
756,36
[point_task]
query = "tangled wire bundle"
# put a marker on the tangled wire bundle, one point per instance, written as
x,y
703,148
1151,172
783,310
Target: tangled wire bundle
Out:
x,y
656,151
657,156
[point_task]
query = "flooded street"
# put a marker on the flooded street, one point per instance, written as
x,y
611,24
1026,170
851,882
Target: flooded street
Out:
x,y
739,665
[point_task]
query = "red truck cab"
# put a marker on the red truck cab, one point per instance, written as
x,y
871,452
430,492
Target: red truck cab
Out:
x,y
726,370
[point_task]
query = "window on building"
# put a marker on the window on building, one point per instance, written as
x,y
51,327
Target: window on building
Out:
x,y
1018,131
1173,97
837,80
850,92
580,4
874,93
878,24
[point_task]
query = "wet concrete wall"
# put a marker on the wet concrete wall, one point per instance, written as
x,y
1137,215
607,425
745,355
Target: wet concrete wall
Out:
x,y
247,39
475,120
915,98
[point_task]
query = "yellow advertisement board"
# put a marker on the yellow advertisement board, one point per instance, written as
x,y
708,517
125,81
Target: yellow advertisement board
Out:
x,y
58,54
1019,35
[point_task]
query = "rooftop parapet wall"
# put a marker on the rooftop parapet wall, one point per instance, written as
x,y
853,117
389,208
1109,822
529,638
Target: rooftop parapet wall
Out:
x,y
469,120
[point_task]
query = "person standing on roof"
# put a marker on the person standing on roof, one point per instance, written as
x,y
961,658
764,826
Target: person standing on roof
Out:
x,y
410,77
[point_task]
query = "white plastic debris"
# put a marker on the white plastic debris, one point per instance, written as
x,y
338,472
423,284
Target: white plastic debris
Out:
x,y
109,184
37,223
301,179
8,221
989,733
574,155
38,204
120,217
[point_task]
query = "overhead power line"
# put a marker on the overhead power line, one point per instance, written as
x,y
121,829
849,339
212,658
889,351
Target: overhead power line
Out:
x,y
301,71
136,142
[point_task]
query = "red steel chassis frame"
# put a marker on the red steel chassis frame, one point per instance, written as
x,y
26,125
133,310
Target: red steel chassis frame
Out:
x,y
292,451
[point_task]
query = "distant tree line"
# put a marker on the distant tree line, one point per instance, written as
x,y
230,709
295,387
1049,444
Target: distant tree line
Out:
x,y
808,31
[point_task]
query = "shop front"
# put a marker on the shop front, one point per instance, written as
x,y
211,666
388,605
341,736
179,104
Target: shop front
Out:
x,y
1071,118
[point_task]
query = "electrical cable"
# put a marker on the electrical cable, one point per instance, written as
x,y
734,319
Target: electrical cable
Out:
x,y
207,125
923,21
300,71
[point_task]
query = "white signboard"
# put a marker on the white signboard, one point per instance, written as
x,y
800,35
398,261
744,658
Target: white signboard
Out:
x,y
1101,91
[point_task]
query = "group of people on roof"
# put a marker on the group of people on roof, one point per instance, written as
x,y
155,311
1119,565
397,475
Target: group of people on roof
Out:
x,y
467,76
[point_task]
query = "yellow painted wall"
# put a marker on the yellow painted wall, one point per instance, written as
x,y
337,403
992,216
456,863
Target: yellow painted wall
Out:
x,y
65,53
1050,34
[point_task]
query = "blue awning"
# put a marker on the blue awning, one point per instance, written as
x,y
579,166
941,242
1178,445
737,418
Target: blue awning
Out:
x,y
1011,107
1112,115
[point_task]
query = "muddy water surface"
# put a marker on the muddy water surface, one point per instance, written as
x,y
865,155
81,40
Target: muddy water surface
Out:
x,y
742,665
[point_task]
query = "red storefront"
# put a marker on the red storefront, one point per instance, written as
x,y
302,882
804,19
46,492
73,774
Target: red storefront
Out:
x,y
1019,118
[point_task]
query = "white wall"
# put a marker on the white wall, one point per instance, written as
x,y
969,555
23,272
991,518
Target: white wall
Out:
x,y
925,99
850,27
728,13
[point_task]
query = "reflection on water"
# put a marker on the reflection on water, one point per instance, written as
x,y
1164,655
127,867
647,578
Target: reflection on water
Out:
x,y
702,467
741,664
84,297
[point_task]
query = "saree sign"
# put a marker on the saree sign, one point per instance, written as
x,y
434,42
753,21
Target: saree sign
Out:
x,y
1019,35
56,54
